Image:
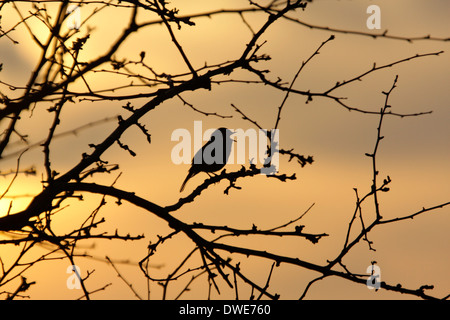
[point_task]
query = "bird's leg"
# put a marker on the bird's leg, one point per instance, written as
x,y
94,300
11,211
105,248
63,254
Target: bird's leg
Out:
x,y
211,174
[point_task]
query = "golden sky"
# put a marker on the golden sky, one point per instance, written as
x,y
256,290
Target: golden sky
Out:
x,y
415,152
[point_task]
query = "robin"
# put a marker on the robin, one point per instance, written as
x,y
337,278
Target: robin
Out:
x,y
213,156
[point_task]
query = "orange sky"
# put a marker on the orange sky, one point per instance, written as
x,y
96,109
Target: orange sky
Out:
x,y
415,152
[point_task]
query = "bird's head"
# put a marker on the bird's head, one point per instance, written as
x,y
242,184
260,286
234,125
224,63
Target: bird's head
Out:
x,y
226,133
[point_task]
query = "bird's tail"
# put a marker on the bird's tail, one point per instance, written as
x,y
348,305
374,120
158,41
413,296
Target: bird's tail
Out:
x,y
190,175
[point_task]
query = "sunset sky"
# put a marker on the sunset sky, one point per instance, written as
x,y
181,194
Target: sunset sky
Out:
x,y
415,151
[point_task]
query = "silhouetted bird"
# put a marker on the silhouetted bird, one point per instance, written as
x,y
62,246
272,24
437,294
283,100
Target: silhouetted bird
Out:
x,y
213,156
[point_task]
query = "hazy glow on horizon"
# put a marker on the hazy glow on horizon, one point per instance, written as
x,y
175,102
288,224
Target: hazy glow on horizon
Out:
x,y
415,152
